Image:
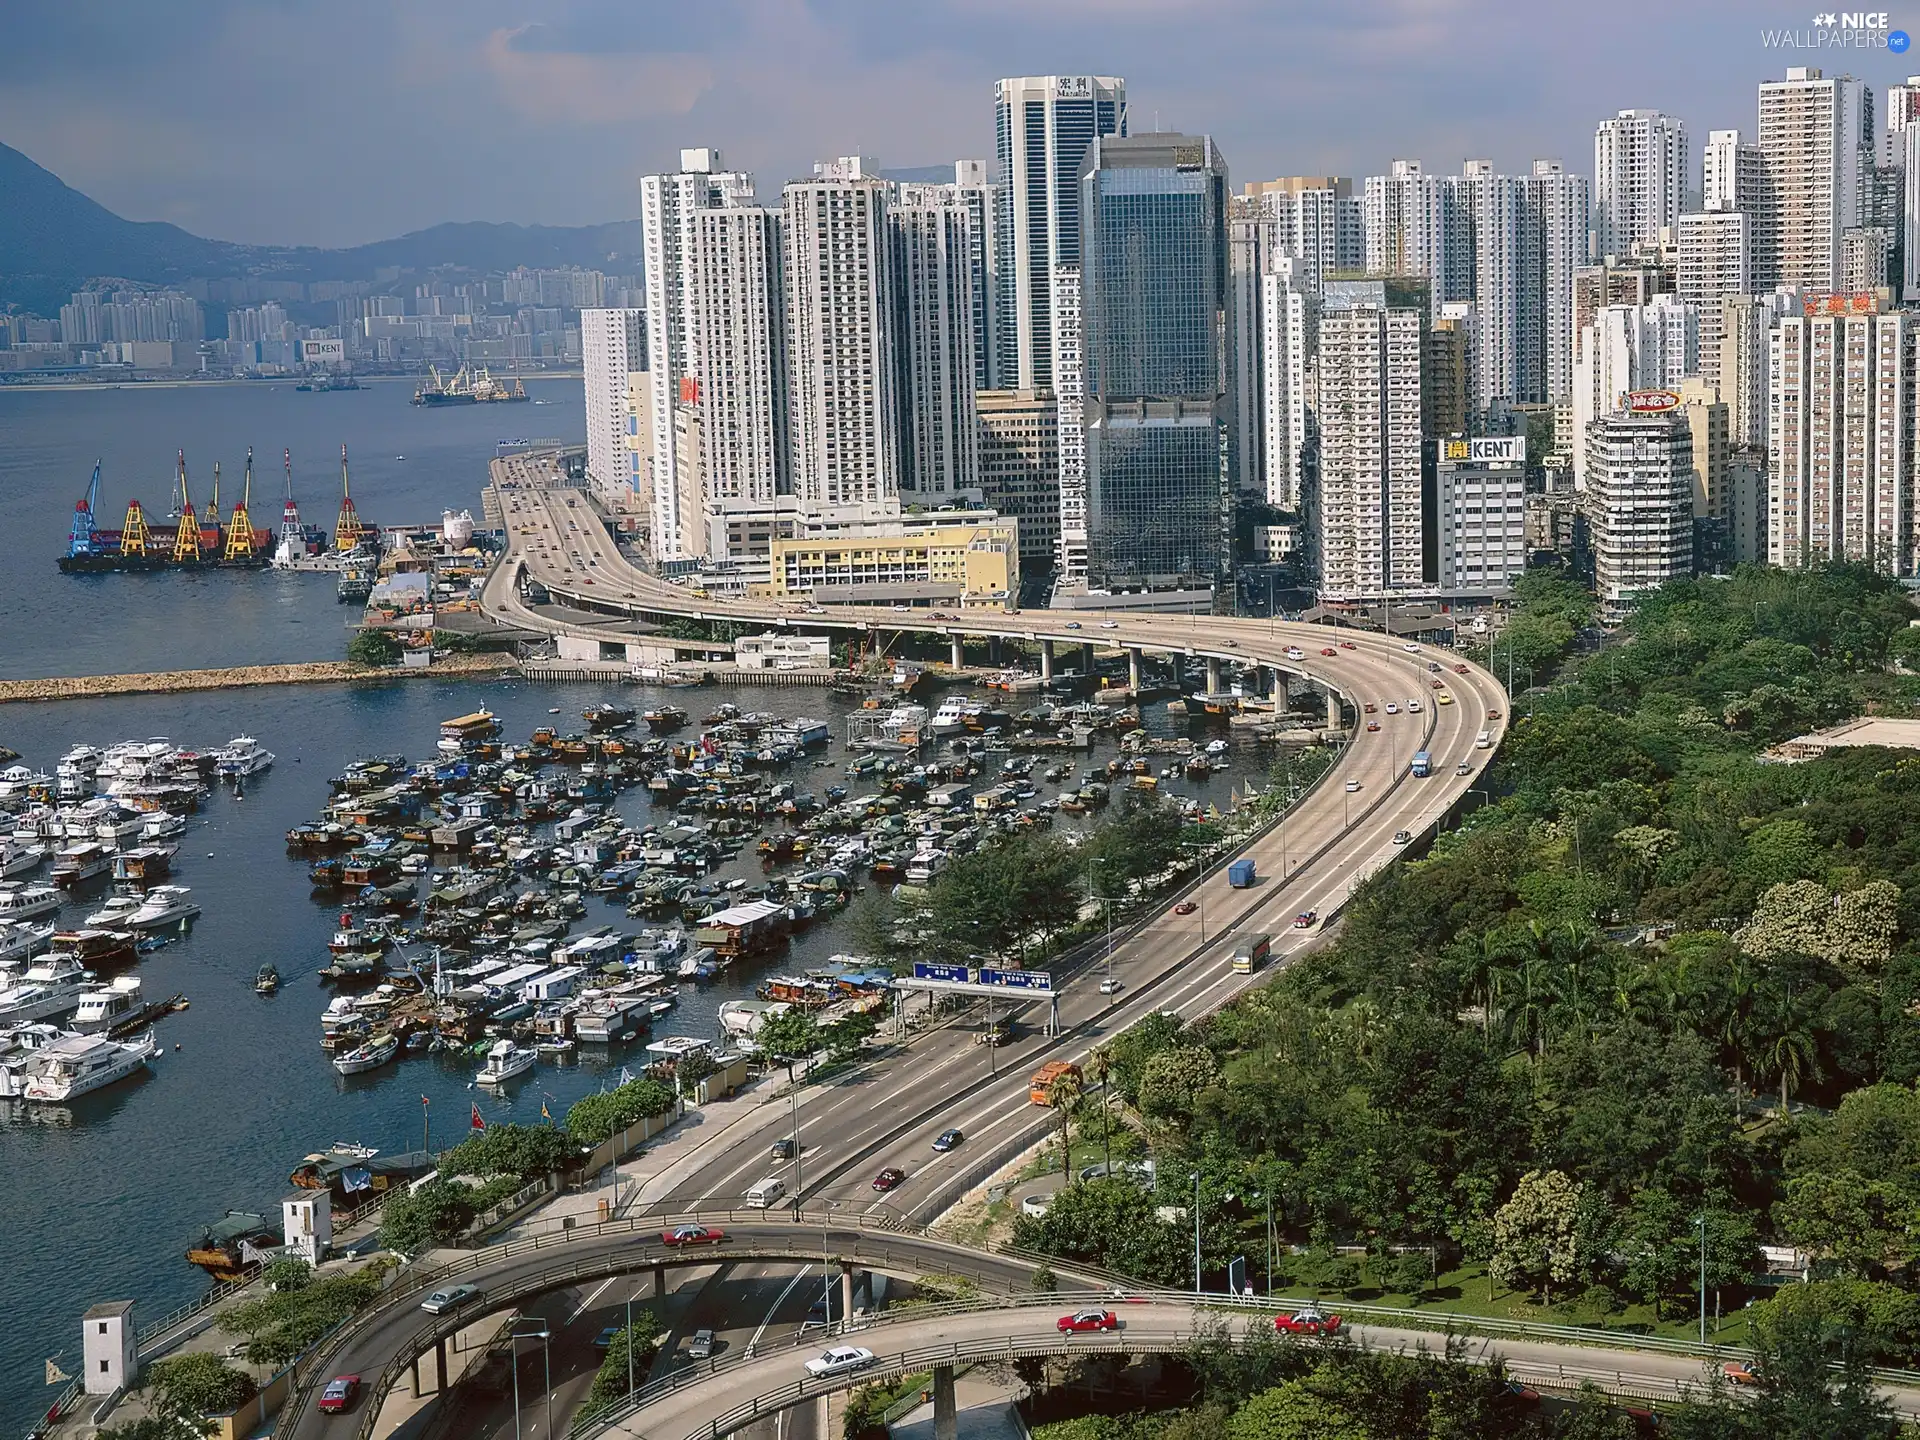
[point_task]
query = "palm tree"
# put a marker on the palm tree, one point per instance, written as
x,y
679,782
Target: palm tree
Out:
x,y
1063,1098
1486,961
1787,1049
1099,1070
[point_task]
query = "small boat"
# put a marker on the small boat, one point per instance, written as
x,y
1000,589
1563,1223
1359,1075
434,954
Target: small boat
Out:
x,y
23,902
80,1064
266,980
233,1245
165,905
241,756
370,1056
661,1007
505,1061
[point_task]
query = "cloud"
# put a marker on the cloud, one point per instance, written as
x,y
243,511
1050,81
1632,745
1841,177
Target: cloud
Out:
x,y
573,87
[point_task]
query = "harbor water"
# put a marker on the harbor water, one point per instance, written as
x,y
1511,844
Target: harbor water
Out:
x,y
100,1199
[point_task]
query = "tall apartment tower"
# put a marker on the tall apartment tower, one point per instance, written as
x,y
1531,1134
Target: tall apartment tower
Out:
x,y
1714,261
1559,206
1730,172
1817,145
613,345
1639,178
842,342
1407,227
1070,392
1315,219
1631,347
982,200
932,247
1154,277
1640,503
1502,277
1369,506
1287,447
739,360
1840,438
1042,126
668,204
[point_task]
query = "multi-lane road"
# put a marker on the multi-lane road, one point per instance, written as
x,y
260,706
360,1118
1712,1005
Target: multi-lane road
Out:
x,y
888,1115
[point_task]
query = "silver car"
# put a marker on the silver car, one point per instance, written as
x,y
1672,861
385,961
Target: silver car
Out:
x,y
841,1360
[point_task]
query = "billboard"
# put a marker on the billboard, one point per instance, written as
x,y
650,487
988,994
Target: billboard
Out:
x,y
1018,979
1650,402
955,974
323,352
1492,450
1862,303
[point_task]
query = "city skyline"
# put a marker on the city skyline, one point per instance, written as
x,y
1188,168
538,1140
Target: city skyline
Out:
x,y
554,122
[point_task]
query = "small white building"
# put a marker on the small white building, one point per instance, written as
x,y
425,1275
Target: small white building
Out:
x,y
782,650
306,1224
109,1348
1482,493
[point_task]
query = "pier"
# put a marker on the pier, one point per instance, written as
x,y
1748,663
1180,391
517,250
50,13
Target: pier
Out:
x,y
311,672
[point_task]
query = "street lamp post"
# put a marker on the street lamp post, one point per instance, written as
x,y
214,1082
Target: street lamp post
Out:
x,y
1205,847
1700,1221
1106,904
1196,1232
544,1336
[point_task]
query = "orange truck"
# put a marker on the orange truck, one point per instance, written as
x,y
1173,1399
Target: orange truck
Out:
x,y
1044,1077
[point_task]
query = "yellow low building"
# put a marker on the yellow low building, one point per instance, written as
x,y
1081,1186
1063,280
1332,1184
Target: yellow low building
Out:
x,y
974,563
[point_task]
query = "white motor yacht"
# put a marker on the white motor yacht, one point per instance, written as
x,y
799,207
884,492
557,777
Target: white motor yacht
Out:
x,y
505,1061
80,1064
109,1005
112,914
77,863
19,940
23,902
242,755
17,857
164,905
162,825
51,986
20,1048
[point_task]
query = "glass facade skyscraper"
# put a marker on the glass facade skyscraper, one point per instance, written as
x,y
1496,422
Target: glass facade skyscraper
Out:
x,y
1153,237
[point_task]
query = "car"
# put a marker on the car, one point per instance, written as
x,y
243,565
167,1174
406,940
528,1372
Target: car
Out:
x,y
1493,714
1413,706
604,1340
1109,624
1073,624
692,1235
1294,652
841,1360
1082,1321
1411,648
1433,666
1034,1206
781,1149
1465,767
1373,724
1739,1373
1305,918
903,609
700,1347
1444,700
1370,707
1439,684
1329,651
1109,986
1348,645
452,1298
1403,837
889,1178
340,1394
1231,644
941,615
1463,669
1185,907
1353,787
1307,1322
947,1140
1393,708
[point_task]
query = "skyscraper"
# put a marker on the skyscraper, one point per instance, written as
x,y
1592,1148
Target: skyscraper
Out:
x,y
668,204
1558,208
737,326
1406,227
613,345
842,357
1731,170
1287,441
932,246
1714,261
1369,507
1154,275
1816,145
1631,347
1043,125
1070,392
1639,178
1639,465
983,201
1840,437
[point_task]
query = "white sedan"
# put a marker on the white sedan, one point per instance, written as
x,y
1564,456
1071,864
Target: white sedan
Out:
x,y
1353,787
841,1360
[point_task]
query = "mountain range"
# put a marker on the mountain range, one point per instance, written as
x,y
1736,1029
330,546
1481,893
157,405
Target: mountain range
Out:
x,y
53,239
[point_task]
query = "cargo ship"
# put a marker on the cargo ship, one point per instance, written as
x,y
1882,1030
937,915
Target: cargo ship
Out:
x,y
464,387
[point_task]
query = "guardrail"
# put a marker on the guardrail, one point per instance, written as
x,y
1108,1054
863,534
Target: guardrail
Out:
x,y
154,1329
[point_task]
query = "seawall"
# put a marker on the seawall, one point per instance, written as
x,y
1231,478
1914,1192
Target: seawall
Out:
x,y
312,672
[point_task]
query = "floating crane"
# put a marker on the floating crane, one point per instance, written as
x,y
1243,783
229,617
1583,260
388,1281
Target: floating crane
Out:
x,y
213,521
347,530
80,539
135,535
240,549
186,534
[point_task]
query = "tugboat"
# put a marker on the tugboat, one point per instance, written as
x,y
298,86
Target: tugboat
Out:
x,y
266,980
606,716
666,719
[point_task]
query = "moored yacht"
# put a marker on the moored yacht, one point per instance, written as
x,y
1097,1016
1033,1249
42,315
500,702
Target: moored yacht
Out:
x,y
17,941
116,910
80,1064
165,905
17,857
505,1061
78,863
242,755
370,1056
109,1006
23,902
51,986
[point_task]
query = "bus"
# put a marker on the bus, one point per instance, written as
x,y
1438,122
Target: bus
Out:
x,y
1422,763
1250,954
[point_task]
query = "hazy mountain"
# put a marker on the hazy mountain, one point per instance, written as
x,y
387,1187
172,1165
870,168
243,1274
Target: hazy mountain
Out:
x,y
53,239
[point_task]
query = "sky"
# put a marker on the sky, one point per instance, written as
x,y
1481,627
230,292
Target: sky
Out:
x,y
334,122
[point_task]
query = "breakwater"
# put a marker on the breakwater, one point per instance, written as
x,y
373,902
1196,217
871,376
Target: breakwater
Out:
x,y
311,672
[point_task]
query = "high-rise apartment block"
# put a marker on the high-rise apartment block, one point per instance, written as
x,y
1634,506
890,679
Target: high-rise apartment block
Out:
x,y
1481,494
1639,178
982,200
1406,214
1713,262
1020,469
1817,146
932,287
1639,466
1043,125
1369,504
738,348
613,346
1631,347
1154,277
1840,443
1730,172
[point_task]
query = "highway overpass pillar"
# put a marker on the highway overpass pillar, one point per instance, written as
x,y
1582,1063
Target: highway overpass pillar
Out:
x,y
1334,717
846,1291
959,653
1279,691
1133,668
659,1282
1046,660
1213,675
440,1367
946,1417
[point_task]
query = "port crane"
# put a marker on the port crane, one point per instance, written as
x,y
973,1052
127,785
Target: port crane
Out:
x,y
241,543
347,530
186,534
